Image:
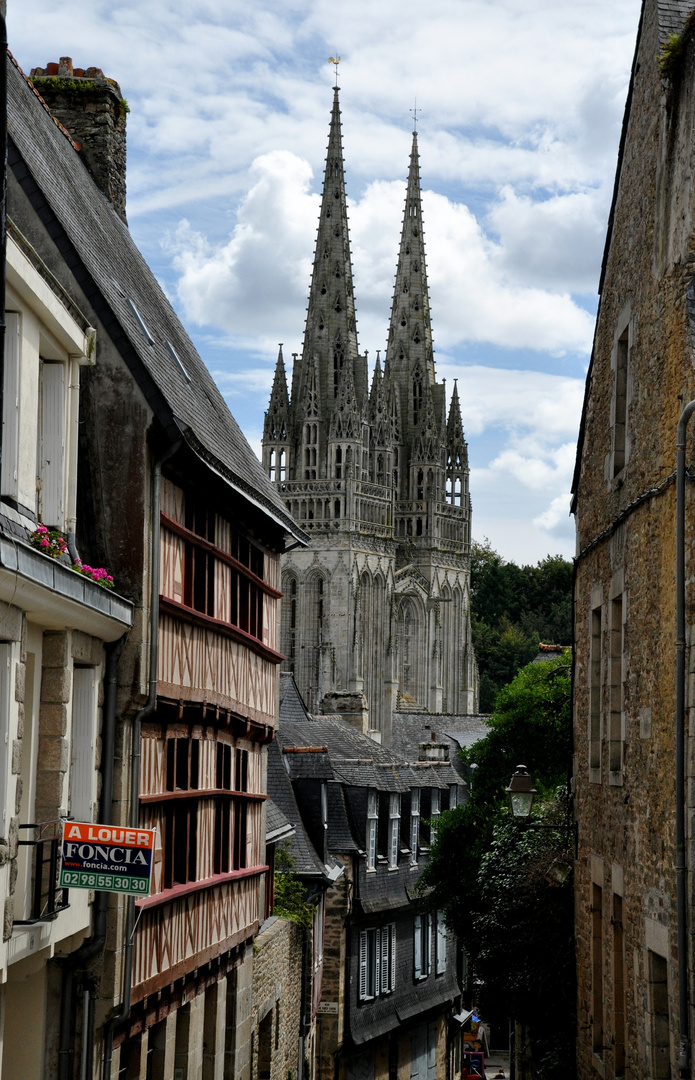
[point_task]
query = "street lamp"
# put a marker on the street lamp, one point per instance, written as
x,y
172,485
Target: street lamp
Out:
x,y
521,793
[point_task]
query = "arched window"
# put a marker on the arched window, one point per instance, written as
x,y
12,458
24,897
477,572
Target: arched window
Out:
x,y
310,450
282,465
289,628
409,649
271,466
338,462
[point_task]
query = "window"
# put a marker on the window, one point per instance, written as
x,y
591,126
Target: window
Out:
x,y
414,824
597,968
618,988
422,947
372,824
377,962
12,393
595,691
615,733
660,1017
453,796
82,744
311,438
394,829
620,403
50,471
435,811
440,944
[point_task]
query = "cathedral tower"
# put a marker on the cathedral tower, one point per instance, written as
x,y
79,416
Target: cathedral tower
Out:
x,y
378,604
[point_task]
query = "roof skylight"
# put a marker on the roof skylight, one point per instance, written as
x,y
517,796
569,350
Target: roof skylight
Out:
x,y
177,358
141,322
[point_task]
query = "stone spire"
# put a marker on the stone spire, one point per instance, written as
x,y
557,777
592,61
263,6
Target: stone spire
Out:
x,y
330,336
276,426
379,412
455,439
410,333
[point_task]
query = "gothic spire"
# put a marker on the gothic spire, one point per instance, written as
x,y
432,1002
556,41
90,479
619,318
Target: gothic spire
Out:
x,y
330,335
427,442
346,421
277,416
457,450
379,412
410,331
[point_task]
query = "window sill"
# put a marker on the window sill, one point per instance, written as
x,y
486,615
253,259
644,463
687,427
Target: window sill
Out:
x,y
179,891
392,868
615,778
371,870
594,776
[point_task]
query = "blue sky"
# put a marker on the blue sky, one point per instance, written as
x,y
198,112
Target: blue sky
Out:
x,y
521,109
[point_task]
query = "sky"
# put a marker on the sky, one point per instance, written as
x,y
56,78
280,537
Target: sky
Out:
x,y
519,104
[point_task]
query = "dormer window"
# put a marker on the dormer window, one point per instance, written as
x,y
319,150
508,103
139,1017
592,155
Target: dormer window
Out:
x,y
372,823
414,824
435,811
394,830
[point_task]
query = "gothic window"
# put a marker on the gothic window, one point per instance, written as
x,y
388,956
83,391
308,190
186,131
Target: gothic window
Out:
x,y
311,435
409,648
338,308
338,360
348,461
323,289
328,212
417,396
271,467
419,485
338,462
337,269
282,465
289,620
380,469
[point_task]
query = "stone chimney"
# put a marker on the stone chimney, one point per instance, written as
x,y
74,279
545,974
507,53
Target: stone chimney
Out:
x,y
350,706
92,109
433,750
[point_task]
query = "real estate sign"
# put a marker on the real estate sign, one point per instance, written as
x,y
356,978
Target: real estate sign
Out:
x,y
107,858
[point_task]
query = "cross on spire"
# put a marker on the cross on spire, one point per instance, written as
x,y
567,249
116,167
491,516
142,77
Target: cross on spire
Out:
x,y
415,111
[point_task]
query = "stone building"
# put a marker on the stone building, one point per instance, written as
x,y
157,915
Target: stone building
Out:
x,y
387,1000
642,374
115,434
378,477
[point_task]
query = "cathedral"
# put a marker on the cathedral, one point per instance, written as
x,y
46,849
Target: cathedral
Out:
x,y
378,605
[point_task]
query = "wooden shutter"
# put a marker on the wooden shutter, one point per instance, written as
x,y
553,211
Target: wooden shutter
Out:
x,y
376,969
385,964
51,464
82,771
431,1051
392,947
363,965
10,429
417,946
429,932
440,960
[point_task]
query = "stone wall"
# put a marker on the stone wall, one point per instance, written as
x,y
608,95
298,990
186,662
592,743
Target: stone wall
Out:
x,y
624,770
276,1009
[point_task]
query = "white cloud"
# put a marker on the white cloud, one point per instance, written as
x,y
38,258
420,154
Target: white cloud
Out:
x,y
555,515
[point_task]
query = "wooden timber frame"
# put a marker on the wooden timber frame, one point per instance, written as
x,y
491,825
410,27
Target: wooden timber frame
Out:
x,y
202,774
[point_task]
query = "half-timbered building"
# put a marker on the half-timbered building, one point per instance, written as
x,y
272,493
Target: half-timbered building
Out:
x,y
170,498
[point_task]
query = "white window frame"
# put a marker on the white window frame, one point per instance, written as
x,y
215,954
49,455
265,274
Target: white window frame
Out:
x,y
372,825
11,416
435,811
388,958
414,825
422,946
369,964
394,829
83,733
453,796
6,655
440,944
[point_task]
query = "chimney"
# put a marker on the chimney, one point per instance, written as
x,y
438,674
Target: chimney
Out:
x,y
433,751
350,706
92,109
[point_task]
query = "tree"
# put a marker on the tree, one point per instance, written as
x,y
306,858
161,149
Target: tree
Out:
x,y
507,891
513,609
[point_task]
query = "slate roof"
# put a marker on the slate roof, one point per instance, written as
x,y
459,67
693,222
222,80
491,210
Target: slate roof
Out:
x,y
353,758
98,248
276,824
292,707
301,849
672,15
410,729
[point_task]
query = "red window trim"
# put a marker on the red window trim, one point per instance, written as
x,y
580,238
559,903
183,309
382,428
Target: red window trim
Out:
x,y
177,891
223,556
197,618
201,793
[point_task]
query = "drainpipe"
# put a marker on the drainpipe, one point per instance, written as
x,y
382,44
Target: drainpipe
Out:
x,y
148,708
95,943
681,882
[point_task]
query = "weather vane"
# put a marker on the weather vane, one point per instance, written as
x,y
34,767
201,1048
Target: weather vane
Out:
x,y
335,61
415,111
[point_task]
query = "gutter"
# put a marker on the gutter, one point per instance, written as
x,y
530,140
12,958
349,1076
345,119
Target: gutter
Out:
x,y
681,869
123,1011
3,210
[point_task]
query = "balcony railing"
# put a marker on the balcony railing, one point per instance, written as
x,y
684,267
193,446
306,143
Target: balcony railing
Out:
x,y
47,900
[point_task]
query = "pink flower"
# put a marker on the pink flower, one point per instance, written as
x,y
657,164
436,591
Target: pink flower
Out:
x,y
45,543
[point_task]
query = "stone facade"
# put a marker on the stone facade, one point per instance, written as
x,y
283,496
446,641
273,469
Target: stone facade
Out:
x,y
277,996
378,476
640,377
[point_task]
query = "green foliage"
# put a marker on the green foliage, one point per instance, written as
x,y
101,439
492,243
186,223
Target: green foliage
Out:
x,y
507,891
674,49
513,609
290,894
